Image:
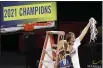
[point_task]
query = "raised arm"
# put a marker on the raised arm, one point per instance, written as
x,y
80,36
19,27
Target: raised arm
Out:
x,y
84,31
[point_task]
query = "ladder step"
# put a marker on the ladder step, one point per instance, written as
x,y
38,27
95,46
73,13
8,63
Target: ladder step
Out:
x,y
56,32
48,61
54,45
49,49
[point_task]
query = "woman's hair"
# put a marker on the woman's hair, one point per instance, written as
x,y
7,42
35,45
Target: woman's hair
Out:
x,y
68,36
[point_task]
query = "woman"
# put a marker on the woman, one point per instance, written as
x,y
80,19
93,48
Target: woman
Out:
x,y
64,54
67,50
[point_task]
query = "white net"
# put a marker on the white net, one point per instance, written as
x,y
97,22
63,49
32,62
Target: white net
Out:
x,y
93,29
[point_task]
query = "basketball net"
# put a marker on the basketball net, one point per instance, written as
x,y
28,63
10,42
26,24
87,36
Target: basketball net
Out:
x,y
93,29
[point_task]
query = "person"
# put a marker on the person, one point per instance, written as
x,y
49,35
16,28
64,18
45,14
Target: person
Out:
x,y
67,50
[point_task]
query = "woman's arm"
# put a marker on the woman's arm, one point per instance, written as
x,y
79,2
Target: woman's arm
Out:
x,y
84,31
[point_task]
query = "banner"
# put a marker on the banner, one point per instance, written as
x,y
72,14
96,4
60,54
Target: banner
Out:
x,y
14,13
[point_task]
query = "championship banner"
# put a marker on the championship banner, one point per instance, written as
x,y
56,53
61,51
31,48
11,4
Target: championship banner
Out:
x,y
13,13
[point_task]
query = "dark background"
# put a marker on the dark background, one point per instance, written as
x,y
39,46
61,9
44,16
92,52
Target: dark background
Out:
x,y
79,11
76,12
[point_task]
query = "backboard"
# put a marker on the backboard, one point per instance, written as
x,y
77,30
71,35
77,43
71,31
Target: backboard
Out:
x,y
20,13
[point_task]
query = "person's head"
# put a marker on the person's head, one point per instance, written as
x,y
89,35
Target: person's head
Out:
x,y
70,37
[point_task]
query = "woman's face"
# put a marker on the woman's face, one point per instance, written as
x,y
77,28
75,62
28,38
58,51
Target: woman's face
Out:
x,y
72,39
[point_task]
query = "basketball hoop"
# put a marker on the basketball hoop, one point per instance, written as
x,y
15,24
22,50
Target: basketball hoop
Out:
x,y
28,27
32,26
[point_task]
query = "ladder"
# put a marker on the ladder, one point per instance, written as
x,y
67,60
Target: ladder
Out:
x,y
48,55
